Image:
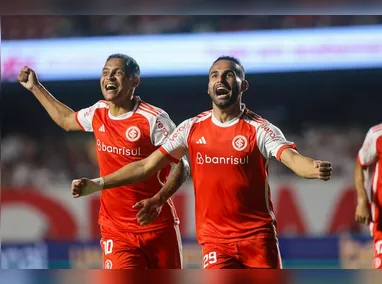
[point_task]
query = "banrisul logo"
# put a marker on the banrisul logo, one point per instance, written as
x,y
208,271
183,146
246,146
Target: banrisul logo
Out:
x,y
102,147
202,159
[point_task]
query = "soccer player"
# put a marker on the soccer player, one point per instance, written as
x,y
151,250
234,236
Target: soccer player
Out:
x,y
229,148
126,129
370,157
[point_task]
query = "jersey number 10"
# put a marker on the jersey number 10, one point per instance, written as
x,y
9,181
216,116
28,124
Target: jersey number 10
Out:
x,y
108,246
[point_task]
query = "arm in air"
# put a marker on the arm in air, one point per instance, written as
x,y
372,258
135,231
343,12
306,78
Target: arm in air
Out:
x,y
61,114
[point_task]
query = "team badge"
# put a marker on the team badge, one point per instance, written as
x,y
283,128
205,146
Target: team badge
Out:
x,y
133,133
108,264
239,143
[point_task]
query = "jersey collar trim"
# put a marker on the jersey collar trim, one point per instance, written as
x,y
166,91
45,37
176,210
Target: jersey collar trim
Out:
x,y
231,122
137,100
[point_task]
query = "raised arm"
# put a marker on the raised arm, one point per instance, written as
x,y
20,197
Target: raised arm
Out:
x,y
61,114
304,166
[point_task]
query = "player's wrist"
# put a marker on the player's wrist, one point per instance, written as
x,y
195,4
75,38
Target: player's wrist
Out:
x,y
362,200
100,182
160,199
36,87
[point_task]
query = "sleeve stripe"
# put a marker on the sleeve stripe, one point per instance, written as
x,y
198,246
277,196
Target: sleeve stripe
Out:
x,y
168,155
366,165
254,117
376,128
141,107
78,121
149,107
282,148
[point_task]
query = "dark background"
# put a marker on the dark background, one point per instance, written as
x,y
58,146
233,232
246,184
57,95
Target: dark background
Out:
x,y
290,100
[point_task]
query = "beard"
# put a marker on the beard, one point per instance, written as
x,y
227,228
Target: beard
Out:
x,y
223,103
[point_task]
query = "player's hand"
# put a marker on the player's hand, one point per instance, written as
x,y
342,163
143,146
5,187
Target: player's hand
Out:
x,y
28,78
363,212
324,169
84,186
150,209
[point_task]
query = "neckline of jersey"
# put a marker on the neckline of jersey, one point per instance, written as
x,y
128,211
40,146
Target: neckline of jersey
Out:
x,y
233,121
128,114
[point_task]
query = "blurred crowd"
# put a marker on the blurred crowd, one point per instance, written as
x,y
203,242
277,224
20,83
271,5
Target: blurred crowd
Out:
x,y
26,161
50,160
33,27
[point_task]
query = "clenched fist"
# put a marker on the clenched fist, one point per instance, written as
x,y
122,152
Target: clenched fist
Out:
x,y
84,186
324,169
28,78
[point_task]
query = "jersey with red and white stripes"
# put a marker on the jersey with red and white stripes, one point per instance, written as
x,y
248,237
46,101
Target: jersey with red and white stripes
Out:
x,y
120,140
370,156
229,163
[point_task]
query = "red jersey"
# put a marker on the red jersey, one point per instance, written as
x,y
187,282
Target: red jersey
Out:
x,y
121,140
370,155
229,163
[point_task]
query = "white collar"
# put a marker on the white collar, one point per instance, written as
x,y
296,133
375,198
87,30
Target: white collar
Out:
x,y
137,101
232,121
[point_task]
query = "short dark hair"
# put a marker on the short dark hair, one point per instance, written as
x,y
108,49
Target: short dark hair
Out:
x,y
234,60
131,66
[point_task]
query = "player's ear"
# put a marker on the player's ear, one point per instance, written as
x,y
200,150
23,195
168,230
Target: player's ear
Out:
x,y
136,82
244,86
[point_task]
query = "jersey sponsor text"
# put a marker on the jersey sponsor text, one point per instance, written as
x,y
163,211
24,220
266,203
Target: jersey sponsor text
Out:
x,y
205,159
101,146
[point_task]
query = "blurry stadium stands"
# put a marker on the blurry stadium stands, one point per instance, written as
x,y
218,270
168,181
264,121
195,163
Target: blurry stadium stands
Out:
x,y
27,161
35,27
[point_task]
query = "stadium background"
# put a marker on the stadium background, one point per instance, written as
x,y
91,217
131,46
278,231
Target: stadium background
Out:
x,y
325,98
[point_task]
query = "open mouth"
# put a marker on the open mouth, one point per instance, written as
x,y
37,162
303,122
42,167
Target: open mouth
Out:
x,y
110,87
222,91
